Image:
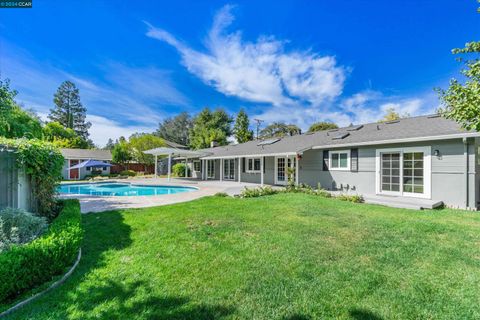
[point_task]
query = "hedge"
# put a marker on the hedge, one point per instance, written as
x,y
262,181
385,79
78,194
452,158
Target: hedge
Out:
x,y
25,267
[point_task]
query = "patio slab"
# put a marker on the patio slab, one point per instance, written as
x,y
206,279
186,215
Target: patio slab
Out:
x,y
205,188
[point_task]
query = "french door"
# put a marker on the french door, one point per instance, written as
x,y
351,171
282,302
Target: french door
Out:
x,y
281,169
404,172
229,169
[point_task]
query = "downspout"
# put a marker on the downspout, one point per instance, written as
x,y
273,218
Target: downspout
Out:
x,y
465,153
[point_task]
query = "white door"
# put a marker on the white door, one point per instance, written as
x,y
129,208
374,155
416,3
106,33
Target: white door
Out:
x,y
229,169
404,172
281,169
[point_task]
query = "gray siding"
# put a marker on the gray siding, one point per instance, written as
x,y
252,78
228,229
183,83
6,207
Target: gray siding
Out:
x,y
448,172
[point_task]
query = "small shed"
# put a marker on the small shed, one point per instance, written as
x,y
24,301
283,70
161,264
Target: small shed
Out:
x,y
15,186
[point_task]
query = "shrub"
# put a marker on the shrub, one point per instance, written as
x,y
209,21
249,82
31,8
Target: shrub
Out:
x,y
351,198
221,194
179,169
27,266
128,173
18,227
258,192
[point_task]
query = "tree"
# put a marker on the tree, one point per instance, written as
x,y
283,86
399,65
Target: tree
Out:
x,y
176,129
279,129
323,125
121,153
110,144
63,137
241,129
68,110
140,142
392,115
210,126
15,121
461,101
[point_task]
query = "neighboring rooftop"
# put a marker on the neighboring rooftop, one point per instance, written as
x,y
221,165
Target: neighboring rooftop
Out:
x,y
421,127
175,145
95,154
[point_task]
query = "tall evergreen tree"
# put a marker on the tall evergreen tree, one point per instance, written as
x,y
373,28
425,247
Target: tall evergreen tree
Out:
x,y
241,129
68,110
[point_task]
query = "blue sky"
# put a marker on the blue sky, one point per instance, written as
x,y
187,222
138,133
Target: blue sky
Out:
x,y
299,62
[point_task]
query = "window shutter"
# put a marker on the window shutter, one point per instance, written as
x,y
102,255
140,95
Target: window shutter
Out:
x,y
263,164
354,160
325,160
243,165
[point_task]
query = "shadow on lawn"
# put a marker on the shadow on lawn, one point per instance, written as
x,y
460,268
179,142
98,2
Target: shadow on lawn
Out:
x,y
91,294
362,314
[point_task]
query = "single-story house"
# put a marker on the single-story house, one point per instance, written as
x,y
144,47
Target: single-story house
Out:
x,y
15,186
425,157
76,156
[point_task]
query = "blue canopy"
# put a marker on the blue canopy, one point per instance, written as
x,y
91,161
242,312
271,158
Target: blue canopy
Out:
x,y
90,163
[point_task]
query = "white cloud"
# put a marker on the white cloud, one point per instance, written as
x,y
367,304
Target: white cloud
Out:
x,y
260,71
102,129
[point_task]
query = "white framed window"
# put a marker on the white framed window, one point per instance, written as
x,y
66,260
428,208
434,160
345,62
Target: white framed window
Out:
x,y
253,165
196,165
211,169
339,160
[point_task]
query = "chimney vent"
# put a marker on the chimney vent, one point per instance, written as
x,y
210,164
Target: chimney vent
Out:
x,y
213,144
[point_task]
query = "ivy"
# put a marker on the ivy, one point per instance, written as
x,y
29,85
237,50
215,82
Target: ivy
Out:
x,y
43,163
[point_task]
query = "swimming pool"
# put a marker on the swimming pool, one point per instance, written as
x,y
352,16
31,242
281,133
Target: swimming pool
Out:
x,y
118,189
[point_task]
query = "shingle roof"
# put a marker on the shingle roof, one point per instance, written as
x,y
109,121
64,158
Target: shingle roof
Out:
x,y
372,133
95,154
175,145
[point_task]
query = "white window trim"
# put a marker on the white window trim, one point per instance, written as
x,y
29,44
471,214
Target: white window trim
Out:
x,y
253,165
427,172
330,160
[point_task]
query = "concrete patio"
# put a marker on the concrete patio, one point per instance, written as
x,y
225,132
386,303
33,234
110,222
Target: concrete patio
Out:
x,y
205,188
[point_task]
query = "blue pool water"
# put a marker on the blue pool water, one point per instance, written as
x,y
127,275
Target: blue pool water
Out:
x,y
120,189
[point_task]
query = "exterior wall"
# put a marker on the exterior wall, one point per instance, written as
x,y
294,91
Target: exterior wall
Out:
x,y
448,178
15,187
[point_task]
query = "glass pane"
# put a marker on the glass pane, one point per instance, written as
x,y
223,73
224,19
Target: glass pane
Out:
x,y
418,189
407,156
257,165
385,171
395,187
386,156
407,180
407,188
395,164
386,164
418,155
386,187
418,172
418,164
395,156
250,164
395,179
334,160
386,179
343,160
418,181
407,172
407,164
395,172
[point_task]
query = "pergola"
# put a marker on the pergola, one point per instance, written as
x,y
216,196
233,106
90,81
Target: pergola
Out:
x,y
173,153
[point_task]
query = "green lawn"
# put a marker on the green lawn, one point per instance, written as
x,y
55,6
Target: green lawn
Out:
x,y
288,256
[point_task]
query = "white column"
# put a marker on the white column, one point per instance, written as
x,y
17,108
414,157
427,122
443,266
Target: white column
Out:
x,y
239,169
186,167
156,164
206,169
297,169
169,166
221,169
261,170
